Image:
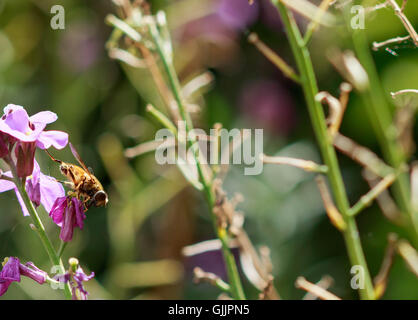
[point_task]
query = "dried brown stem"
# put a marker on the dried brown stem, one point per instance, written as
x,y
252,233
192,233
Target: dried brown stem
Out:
x,y
229,217
380,281
302,283
325,282
211,278
306,165
409,254
333,214
378,45
407,24
361,155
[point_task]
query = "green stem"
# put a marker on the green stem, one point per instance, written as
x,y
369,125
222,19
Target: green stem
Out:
x,y
63,245
310,89
378,111
232,270
55,260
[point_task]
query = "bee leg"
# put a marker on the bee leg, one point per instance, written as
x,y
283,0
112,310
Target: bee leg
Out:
x,y
66,183
86,204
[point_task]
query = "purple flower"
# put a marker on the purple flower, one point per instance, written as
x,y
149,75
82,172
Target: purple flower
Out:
x,y
13,269
237,14
80,277
75,277
41,189
268,103
68,213
28,133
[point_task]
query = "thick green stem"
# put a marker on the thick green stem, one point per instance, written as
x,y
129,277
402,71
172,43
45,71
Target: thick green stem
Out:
x,y
40,229
310,89
236,289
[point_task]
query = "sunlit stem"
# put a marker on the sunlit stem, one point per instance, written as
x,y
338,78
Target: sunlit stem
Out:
x,y
273,57
55,260
235,282
162,118
310,89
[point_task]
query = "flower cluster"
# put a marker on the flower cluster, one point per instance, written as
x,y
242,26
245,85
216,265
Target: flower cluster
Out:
x,y
20,136
25,134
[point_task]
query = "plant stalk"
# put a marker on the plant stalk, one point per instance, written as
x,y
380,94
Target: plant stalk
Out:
x,y
236,289
49,248
310,89
378,111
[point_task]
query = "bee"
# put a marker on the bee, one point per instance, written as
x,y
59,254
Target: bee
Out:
x,y
86,187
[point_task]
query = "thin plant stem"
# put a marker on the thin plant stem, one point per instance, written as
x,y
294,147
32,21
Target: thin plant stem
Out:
x,y
49,248
378,111
310,89
63,245
236,289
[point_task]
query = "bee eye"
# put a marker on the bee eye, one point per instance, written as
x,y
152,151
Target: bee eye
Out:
x,y
100,197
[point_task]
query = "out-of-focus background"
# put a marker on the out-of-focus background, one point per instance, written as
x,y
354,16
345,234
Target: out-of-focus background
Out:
x,y
134,245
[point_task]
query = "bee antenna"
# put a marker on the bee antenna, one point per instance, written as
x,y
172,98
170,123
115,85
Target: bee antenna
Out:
x,y
53,159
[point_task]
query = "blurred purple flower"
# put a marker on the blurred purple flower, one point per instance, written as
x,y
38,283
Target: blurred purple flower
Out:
x,y
269,104
80,46
269,15
13,269
42,189
28,133
68,213
237,14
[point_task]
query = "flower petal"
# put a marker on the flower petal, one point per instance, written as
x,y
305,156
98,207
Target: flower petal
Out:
x,y
6,185
45,117
31,271
4,285
68,224
16,123
79,212
11,107
57,139
11,270
57,210
34,192
22,203
50,190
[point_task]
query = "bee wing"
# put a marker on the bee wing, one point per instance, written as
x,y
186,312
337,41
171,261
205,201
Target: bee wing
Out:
x,y
80,161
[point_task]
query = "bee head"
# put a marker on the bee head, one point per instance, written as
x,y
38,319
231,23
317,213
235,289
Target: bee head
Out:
x,y
100,199
64,168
